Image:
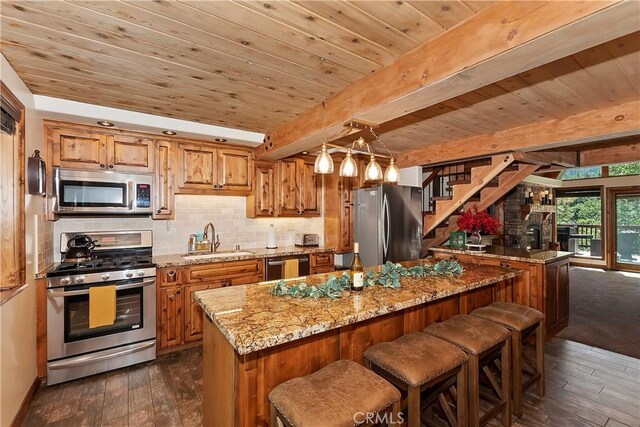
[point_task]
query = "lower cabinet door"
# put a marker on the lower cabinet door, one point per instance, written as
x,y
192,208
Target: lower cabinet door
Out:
x,y
170,314
193,316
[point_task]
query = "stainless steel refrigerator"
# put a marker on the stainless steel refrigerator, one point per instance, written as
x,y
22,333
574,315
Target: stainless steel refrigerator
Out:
x,y
388,223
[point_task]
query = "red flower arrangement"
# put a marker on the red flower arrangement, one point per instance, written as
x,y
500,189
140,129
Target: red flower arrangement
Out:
x,y
472,221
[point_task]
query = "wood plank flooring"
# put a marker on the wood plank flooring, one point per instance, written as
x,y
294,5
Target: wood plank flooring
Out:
x,y
586,386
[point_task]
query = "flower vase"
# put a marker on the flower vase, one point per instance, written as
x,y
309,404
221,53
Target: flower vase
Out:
x,y
475,238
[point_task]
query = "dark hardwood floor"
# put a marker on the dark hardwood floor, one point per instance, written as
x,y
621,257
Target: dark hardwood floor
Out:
x,y
586,386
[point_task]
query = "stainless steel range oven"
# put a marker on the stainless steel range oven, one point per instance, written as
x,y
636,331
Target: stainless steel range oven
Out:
x,y
75,349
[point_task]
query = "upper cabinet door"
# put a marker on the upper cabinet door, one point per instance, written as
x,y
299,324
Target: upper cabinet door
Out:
x,y
288,195
163,198
78,149
261,202
129,153
235,169
197,168
310,190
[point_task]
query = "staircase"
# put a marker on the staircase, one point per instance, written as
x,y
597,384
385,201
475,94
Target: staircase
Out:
x,y
450,190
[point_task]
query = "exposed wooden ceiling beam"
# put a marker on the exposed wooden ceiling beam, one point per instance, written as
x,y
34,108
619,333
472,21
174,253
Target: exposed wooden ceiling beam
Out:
x,y
564,158
598,125
610,154
502,40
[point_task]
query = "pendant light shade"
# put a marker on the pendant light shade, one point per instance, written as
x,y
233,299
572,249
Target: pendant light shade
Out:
x,y
373,171
392,172
324,162
348,167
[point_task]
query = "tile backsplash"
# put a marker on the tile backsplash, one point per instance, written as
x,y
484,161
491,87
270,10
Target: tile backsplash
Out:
x,y
45,241
227,213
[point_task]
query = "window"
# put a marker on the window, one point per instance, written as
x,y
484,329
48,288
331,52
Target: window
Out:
x,y
579,221
622,169
12,250
582,173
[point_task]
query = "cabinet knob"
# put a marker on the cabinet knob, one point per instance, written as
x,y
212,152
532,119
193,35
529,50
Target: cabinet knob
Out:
x,y
158,211
101,165
172,273
110,166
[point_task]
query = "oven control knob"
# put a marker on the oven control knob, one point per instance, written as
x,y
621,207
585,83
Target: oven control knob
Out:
x,y
65,281
105,276
140,273
128,273
79,279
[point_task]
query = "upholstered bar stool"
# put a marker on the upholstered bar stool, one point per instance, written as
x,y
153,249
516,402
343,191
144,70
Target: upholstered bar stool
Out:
x,y
522,322
342,393
485,343
423,365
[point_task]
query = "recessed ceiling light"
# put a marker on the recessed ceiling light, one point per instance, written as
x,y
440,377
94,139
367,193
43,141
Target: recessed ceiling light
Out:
x,y
305,152
105,123
220,140
169,132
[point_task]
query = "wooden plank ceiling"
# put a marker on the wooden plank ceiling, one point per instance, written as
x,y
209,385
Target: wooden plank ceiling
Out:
x,y
600,77
251,65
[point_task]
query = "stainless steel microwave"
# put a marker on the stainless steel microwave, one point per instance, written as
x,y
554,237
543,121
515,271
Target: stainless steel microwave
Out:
x,y
101,192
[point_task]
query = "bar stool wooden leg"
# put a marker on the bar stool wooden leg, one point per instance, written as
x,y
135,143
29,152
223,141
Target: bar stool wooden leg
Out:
x,y
461,396
396,409
516,348
413,406
473,384
540,357
506,386
274,416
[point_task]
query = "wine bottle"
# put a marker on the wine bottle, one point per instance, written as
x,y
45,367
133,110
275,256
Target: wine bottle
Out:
x,y
357,270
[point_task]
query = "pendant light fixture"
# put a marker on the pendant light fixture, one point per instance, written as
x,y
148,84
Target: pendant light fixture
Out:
x,y
324,162
373,171
348,167
392,172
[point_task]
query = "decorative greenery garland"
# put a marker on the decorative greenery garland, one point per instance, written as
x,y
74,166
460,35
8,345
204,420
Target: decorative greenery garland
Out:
x,y
389,277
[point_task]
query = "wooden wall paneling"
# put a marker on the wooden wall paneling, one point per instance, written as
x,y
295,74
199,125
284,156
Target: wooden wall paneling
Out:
x,y
130,154
476,298
235,168
221,375
354,339
164,178
418,318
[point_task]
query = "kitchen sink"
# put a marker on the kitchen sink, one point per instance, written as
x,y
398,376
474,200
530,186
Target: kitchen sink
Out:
x,y
217,255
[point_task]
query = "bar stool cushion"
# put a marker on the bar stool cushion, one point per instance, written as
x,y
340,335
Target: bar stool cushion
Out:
x,y
332,395
416,358
472,334
515,317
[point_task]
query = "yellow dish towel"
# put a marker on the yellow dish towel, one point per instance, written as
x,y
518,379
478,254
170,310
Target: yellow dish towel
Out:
x,y
291,268
102,306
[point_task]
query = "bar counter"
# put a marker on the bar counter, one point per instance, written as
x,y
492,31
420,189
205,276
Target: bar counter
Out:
x,y
254,341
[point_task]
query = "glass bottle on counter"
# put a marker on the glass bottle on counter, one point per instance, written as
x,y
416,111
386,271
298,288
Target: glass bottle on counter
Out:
x,y
357,270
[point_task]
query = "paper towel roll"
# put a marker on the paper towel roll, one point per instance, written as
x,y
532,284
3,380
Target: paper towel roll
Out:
x,y
271,237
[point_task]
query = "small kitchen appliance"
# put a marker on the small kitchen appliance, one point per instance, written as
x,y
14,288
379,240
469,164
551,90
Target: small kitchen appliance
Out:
x,y
307,239
79,249
121,259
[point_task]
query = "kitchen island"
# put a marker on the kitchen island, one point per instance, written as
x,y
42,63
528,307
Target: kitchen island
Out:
x,y
544,284
254,341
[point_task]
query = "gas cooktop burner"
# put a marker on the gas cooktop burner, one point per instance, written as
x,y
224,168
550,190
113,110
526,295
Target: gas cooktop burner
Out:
x,y
103,264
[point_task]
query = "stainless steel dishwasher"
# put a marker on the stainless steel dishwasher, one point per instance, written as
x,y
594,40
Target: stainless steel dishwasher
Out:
x,y
275,266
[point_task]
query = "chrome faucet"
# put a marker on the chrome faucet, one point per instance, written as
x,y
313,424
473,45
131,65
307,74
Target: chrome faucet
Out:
x,y
214,240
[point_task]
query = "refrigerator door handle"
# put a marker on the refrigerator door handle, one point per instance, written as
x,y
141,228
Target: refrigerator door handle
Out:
x,y
386,225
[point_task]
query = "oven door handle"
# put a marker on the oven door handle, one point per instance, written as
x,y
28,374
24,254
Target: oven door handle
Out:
x,y
56,294
104,355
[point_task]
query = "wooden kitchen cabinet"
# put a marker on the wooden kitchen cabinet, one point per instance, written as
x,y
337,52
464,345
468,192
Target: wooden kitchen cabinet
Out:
x,y
235,169
193,316
163,196
300,188
339,212
226,273
197,167
556,295
128,153
170,325
261,202
81,148
321,263
77,148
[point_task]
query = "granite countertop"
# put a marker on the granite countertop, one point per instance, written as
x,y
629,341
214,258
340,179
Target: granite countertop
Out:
x,y
253,320
176,260
537,256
